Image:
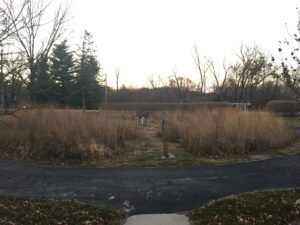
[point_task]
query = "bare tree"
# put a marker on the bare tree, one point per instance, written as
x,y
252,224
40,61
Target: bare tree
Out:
x,y
289,50
14,67
220,81
117,74
153,82
29,37
182,86
11,18
251,69
10,22
202,67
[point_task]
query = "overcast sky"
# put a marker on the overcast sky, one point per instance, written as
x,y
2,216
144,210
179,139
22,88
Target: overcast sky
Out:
x,y
150,37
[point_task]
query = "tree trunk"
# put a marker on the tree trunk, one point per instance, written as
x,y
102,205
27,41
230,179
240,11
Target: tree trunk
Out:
x,y
83,106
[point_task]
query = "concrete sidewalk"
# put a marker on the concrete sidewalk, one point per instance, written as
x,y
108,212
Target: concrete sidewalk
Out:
x,y
158,219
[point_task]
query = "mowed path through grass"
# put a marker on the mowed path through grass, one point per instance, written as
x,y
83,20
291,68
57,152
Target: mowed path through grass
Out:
x,y
147,151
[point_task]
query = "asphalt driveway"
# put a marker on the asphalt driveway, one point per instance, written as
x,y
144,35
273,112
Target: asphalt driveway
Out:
x,y
149,190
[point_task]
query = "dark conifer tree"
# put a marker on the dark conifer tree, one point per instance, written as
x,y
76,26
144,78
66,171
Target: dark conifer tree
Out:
x,y
42,89
88,74
62,72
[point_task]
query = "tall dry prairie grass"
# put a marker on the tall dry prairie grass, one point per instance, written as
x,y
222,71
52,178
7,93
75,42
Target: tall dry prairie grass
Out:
x,y
65,134
227,131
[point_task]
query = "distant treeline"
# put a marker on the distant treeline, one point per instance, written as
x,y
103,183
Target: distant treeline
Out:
x,y
165,95
157,106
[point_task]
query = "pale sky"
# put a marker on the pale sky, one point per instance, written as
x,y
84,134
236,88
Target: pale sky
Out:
x,y
150,37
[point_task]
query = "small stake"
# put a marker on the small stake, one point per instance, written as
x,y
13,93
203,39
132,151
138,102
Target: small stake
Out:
x,y
165,142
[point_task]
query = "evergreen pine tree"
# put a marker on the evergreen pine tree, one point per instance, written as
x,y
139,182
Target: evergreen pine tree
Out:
x,y
88,74
42,89
62,71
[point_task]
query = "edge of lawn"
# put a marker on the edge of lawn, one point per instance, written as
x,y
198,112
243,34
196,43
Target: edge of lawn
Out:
x,y
182,159
281,206
34,210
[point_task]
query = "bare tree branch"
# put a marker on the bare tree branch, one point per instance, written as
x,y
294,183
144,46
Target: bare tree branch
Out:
x,y
220,83
34,46
251,69
11,14
202,68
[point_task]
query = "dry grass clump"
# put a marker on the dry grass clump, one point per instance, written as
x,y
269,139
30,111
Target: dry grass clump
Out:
x,y
65,134
227,131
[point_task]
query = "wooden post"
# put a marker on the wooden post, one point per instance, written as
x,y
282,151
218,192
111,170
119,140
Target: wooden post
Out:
x,y
165,142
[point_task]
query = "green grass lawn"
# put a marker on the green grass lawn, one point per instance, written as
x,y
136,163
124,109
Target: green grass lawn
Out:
x,y
293,121
258,208
34,211
183,158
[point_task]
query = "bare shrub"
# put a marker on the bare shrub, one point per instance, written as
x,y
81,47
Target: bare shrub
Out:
x,y
66,134
228,131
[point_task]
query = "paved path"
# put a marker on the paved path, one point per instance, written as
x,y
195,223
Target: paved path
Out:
x,y
158,219
149,190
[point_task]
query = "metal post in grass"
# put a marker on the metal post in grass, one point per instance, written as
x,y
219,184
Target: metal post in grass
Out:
x,y
165,142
